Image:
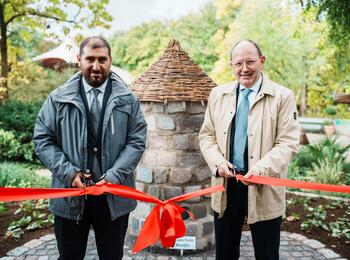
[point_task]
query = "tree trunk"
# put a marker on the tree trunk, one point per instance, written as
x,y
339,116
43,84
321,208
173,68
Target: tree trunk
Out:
x,y
303,103
4,95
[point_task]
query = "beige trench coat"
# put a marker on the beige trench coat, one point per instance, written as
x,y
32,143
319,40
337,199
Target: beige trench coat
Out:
x,y
273,139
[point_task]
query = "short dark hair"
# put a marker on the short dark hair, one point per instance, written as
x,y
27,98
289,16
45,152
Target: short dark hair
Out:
x,y
97,42
246,40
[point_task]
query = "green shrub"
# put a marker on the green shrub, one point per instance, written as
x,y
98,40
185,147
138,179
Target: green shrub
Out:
x,y
21,175
326,171
19,117
312,156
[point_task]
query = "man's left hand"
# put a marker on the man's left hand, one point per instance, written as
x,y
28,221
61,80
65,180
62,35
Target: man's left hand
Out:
x,y
247,176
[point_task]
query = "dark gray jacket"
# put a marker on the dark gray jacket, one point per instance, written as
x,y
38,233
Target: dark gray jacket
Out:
x,y
60,139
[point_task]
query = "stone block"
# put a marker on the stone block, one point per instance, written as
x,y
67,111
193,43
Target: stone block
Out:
x,y
202,242
208,226
180,175
149,158
196,108
144,173
140,186
157,107
151,122
136,224
167,159
165,123
190,159
194,229
143,209
200,210
161,175
193,188
189,123
202,173
176,107
145,106
154,191
193,142
158,142
180,142
170,191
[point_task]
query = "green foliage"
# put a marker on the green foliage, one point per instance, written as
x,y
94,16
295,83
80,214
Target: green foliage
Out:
x,y
35,217
326,171
2,208
30,82
19,117
338,16
327,154
16,130
21,175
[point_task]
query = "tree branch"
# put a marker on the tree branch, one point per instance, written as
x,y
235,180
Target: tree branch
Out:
x,y
34,13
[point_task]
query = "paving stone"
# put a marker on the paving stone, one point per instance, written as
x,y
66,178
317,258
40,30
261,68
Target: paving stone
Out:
x,y
33,243
48,238
297,237
17,251
295,248
313,243
328,253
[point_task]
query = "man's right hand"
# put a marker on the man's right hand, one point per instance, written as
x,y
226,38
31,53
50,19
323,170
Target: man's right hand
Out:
x,y
77,181
224,170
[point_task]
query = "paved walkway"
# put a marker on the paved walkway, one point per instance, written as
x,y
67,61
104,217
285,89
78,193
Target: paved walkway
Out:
x,y
293,246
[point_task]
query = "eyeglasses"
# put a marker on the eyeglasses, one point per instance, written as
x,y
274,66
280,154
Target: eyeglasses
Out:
x,y
248,64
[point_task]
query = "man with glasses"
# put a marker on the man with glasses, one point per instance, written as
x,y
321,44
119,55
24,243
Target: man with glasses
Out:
x,y
250,128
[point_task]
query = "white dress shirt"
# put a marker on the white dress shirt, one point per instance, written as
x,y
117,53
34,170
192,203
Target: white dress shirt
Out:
x,y
90,95
252,95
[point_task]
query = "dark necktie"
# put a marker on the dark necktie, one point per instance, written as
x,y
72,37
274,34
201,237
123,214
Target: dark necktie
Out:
x,y
241,125
95,113
95,110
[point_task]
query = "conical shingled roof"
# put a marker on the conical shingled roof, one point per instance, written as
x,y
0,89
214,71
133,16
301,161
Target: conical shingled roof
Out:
x,y
173,77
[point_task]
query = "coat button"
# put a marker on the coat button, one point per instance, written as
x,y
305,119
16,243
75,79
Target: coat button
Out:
x,y
95,149
87,171
224,133
251,135
250,113
251,157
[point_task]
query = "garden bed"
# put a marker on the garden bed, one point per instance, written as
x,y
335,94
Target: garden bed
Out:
x,y
298,209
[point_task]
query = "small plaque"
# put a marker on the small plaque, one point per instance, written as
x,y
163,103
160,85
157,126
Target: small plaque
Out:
x,y
186,242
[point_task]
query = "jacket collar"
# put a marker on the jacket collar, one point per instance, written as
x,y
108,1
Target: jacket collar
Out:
x,y
70,90
266,87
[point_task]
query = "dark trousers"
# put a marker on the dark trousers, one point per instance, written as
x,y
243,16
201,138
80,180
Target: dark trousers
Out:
x,y
228,229
72,236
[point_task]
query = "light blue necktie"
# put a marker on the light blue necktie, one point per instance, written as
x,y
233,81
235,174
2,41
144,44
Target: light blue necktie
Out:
x,y
241,125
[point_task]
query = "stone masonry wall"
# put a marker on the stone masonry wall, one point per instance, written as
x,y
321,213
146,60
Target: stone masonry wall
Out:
x,y
173,165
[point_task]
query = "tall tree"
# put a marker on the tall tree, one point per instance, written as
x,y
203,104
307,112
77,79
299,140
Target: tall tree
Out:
x,y
36,14
338,16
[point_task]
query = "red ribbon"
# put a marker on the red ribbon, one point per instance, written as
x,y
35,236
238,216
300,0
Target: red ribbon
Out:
x,y
295,184
164,221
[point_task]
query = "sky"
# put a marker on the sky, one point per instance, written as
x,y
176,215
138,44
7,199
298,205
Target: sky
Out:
x,y
131,13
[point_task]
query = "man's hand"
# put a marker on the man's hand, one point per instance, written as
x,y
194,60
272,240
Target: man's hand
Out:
x,y
224,170
247,177
77,181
